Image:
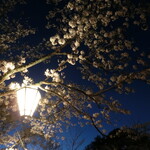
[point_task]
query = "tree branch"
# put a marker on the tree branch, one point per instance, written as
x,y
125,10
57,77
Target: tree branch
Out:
x,y
22,68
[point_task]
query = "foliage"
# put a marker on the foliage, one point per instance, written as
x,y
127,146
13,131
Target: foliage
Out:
x,y
124,138
89,53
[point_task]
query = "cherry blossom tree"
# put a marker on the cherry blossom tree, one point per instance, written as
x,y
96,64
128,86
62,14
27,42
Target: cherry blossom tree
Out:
x,y
92,42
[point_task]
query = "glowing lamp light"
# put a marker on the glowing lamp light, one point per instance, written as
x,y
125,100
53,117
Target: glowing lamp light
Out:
x,y
28,99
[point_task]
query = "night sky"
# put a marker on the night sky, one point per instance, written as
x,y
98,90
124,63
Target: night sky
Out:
x,y
138,103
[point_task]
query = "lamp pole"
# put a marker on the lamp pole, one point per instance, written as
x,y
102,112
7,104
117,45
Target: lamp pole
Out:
x,y
22,144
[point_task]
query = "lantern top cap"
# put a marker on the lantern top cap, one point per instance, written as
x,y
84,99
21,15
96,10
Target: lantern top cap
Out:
x,y
29,86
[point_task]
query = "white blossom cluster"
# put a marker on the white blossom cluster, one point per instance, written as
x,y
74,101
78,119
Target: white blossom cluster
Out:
x,y
53,74
6,66
57,40
14,85
27,81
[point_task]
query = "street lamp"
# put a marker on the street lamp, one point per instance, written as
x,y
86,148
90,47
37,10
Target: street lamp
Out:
x,y
28,99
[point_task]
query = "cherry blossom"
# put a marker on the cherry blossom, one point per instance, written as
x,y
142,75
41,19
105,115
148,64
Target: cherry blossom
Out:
x,y
89,53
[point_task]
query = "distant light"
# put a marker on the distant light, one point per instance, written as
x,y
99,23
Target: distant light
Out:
x,y
28,99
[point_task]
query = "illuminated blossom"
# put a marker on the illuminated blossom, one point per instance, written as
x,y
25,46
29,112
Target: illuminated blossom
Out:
x,y
95,115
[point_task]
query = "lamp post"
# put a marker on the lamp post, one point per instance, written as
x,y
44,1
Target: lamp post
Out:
x,y
28,99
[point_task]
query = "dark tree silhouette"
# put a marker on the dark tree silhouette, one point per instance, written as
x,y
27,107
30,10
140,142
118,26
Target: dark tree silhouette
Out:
x,y
122,139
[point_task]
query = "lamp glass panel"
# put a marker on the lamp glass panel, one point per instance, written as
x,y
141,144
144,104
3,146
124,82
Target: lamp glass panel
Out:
x,y
28,99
